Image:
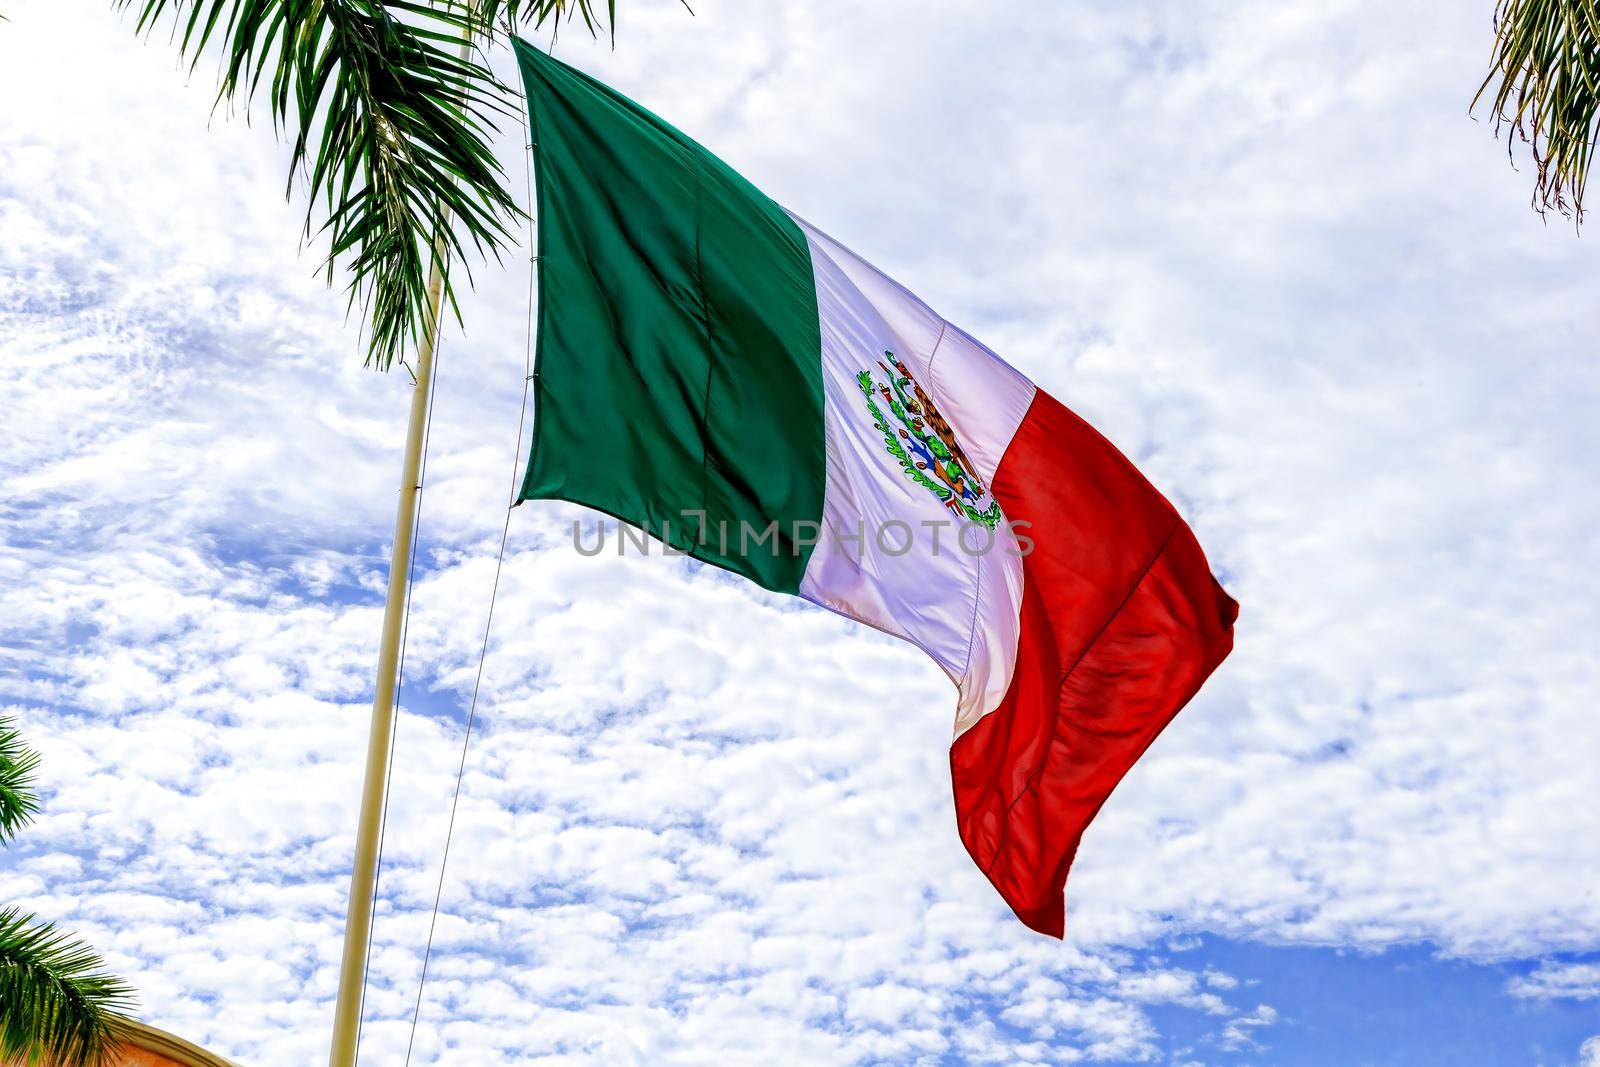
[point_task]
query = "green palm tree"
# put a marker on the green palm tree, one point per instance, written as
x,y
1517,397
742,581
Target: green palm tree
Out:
x,y
1546,92
390,125
58,1004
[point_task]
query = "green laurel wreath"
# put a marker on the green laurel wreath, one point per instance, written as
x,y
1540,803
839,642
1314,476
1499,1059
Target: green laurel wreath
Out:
x,y
989,517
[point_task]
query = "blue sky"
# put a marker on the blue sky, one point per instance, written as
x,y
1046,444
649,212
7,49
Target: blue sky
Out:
x,y
1261,245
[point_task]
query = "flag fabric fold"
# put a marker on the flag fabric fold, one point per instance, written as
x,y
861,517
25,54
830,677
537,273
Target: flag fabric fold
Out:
x,y
718,372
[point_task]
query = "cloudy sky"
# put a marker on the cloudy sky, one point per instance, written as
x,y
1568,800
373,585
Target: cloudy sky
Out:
x,y
1261,245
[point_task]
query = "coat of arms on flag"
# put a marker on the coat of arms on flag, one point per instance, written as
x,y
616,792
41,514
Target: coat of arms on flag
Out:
x,y
924,442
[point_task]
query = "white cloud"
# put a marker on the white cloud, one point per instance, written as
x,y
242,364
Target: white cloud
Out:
x,y
1242,1032
1257,244
1552,981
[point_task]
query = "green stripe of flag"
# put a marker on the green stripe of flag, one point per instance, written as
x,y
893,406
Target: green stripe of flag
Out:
x,y
678,343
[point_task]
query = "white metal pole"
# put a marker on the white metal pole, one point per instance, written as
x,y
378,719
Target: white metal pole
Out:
x,y
363,876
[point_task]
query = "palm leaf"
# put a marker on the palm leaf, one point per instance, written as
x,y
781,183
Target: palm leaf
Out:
x,y
58,1005
1546,79
540,12
390,129
19,801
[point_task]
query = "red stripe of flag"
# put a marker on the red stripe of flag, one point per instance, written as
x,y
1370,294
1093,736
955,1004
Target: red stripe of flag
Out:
x,y
1121,623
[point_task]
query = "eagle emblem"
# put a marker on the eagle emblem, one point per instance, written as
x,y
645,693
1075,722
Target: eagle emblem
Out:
x,y
923,442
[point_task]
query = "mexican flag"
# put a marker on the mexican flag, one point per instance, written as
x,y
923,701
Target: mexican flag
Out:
x,y
717,371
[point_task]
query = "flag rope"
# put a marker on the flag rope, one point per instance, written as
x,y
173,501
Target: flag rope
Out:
x,y
505,533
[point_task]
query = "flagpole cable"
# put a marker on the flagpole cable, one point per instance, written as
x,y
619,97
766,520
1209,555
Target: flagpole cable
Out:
x,y
494,591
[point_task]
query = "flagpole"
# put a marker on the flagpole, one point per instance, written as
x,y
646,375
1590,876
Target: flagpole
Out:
x,y
374,783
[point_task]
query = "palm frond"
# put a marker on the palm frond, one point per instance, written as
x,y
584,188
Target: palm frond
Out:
x,y
551,12
1546,78
390,128
19,801
539,13
58,1005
